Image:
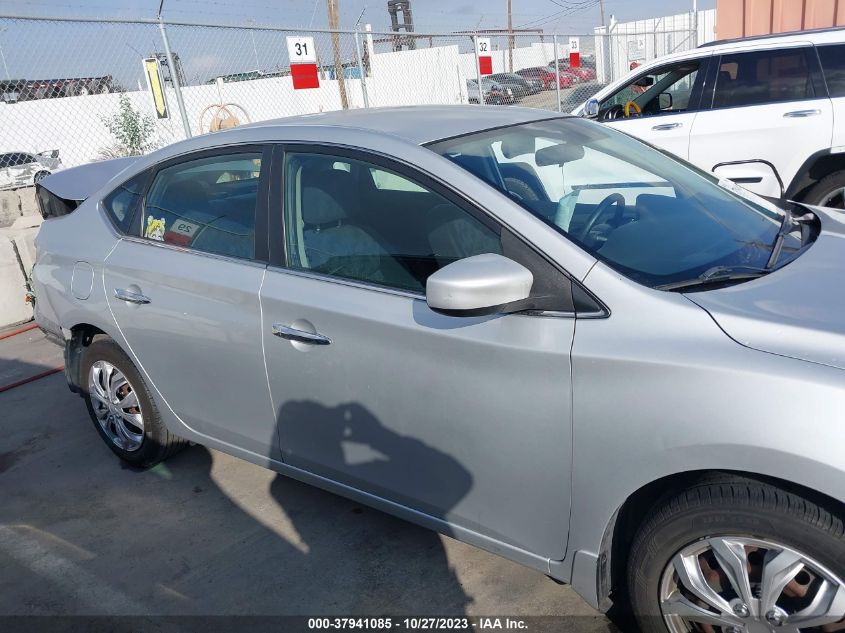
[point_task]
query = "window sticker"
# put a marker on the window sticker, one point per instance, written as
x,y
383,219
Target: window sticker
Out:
x,y
181,232
155,229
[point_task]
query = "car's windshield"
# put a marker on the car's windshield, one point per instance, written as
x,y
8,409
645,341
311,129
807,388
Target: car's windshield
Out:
x,y
653,218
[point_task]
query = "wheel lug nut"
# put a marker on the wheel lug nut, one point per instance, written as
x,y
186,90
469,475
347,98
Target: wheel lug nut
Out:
x,y
741,610
775,617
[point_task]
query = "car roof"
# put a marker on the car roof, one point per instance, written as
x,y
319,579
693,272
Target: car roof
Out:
x,y
823,35
416,124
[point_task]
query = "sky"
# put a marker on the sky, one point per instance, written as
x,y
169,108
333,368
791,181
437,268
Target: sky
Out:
x,y
429,15
54,49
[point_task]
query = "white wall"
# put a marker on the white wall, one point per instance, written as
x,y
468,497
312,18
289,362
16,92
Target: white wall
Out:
x,y
75,125
643,40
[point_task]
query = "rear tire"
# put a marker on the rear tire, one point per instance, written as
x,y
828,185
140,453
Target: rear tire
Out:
x,y
40,175
700,528
121,407
828,192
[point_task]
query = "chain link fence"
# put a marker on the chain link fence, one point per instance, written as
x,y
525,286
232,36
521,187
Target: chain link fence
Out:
x,y
75,91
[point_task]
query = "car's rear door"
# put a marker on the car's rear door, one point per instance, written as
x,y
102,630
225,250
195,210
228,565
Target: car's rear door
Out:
x,y
184,292
465,420
769,112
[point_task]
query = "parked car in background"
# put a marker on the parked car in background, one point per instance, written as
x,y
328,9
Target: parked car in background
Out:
x,y
24,169
520,86
580,353
583,72
766,112
494,93
547,76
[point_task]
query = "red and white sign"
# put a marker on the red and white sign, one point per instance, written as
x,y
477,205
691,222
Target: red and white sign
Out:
x,y
303,62
574,52
485,55
181,232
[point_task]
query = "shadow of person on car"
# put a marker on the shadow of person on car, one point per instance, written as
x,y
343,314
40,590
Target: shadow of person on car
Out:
x,y
372,562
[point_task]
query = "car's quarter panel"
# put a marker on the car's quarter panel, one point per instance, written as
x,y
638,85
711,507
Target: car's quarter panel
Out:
x,y
63,245
659,389
198,339
462,419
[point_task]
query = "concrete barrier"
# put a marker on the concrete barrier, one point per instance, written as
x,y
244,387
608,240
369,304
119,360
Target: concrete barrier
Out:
x,y
12,287
17,203
20,222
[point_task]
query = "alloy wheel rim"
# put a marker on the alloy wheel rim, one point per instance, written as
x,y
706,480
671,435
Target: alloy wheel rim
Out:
x,y
116,406
729,584
834,199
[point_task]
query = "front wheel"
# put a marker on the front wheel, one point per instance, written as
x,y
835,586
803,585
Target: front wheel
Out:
x,y
739,556
828,192
122,409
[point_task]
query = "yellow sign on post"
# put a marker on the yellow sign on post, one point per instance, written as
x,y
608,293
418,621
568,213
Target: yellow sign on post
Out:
x,y
152,71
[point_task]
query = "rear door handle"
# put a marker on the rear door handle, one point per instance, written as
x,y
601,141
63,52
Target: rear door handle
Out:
x,y
300,336
131,297
667,126
797,114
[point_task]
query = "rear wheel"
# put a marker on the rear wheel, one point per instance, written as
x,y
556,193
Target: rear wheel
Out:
x,y
738,555
39,175
122,409
828,192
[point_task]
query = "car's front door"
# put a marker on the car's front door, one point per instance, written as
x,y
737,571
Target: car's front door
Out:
x,y
184,293
659,105
463,419
776,103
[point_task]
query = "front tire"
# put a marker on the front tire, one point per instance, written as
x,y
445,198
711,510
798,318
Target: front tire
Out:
x,y
735,553
121,407
828,192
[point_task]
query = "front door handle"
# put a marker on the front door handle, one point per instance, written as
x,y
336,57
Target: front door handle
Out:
x,y
667,126
131,297
796,114
300,336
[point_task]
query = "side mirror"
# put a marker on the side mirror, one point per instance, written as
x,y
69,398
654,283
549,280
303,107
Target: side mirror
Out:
x,y
665,101
644,82
477,286
591,108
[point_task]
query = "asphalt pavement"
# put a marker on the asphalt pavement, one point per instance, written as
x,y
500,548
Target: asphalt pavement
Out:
x,y
208,534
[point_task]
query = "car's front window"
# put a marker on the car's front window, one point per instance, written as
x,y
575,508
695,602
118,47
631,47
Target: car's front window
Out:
x,y
666,90
651,217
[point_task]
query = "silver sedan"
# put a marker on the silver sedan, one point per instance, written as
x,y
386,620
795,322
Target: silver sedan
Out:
x,y
527,331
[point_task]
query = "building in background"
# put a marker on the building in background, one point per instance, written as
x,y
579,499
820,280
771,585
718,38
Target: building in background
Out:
x,y
744,18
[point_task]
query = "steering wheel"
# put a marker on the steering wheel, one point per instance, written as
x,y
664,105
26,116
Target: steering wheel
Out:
x,y
632,106
613,112
615,198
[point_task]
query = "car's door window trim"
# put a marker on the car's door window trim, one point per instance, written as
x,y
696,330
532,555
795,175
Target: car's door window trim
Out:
x,y
262,202
278,259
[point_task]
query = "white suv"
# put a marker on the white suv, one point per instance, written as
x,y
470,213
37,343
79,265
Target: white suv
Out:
x,y
765,112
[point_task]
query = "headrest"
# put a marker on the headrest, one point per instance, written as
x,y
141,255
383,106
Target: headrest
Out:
x,y
185,193
328,197
653,207
515,145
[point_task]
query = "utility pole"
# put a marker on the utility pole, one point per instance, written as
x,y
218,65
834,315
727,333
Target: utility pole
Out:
x,y
601,8
338,61
510,38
